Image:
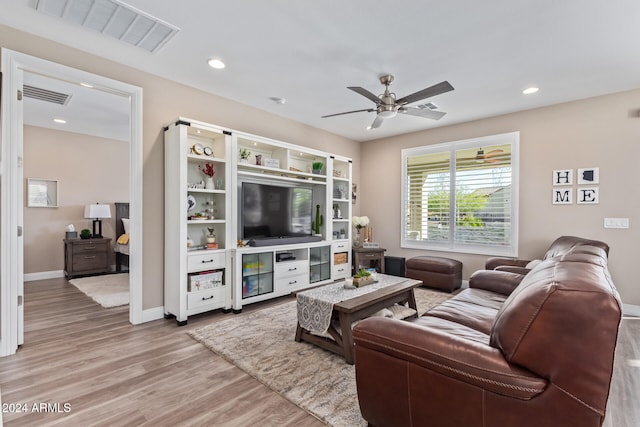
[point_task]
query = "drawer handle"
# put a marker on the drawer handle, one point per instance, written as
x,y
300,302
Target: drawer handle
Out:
x,y
90,257
341,269
88,248
206,298
206,262
293,283
293,269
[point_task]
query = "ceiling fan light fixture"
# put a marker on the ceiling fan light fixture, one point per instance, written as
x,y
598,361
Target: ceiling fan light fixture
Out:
x,y
387,114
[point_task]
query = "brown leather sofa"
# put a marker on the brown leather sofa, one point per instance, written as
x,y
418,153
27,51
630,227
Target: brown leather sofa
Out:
x,y
512,350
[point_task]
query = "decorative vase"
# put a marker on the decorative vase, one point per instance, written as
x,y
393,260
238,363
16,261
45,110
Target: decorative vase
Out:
x,y
356,239
209,184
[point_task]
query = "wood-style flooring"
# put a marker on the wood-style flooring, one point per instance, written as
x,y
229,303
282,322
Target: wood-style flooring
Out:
x,y
93,368
111,373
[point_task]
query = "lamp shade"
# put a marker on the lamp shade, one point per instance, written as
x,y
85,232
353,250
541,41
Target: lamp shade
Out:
x,y
97,211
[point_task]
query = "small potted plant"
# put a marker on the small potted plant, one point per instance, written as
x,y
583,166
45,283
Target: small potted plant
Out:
x,y
244,154
316,167
85,233
362,277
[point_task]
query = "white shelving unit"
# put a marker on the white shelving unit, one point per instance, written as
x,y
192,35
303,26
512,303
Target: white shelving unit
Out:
x,y
246,274
196,278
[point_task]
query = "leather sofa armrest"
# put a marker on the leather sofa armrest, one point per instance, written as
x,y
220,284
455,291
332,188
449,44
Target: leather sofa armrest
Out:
x,y
493,263
502,282
453,356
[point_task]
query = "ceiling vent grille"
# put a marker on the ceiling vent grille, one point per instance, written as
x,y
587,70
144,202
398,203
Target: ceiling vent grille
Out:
x,y
428,106
112,18
45,95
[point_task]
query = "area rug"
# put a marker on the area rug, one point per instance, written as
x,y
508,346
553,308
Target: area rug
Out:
x,y
109,290
261,343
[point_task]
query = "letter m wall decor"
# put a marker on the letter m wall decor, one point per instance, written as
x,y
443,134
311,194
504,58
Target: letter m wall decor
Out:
x,y
562,196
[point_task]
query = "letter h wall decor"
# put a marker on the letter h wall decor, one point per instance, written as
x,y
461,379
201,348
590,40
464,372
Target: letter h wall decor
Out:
x,y
586,192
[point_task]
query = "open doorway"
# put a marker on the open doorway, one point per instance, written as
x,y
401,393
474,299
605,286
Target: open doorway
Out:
x,y
14,67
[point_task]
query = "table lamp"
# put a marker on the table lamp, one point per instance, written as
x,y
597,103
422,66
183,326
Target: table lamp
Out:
x,y
97,212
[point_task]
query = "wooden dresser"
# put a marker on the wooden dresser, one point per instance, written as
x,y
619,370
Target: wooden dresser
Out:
x,y
87,256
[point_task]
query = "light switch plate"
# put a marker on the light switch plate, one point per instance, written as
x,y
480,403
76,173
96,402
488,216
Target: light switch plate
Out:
x,y
616,223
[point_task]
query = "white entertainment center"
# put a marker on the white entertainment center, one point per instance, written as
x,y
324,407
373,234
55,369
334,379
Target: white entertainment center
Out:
x,y
281,224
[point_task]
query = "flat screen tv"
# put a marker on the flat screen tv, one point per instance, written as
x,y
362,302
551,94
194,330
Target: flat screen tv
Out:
x,y
271,211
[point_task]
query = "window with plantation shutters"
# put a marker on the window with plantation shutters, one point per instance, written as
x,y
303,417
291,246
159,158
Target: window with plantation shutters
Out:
x,y
462,196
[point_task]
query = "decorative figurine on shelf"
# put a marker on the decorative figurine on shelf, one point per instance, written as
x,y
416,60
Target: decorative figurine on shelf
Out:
x,y
337,214
319,221
211,210
209,170
211,239
359,222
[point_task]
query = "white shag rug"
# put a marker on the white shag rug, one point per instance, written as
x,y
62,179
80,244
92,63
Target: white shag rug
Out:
x,y
109,290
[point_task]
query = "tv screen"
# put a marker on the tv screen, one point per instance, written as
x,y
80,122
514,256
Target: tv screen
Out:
x,y
270,211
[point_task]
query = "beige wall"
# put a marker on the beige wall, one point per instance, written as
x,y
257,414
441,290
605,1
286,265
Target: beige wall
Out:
x,y
88,170
163,101
598,132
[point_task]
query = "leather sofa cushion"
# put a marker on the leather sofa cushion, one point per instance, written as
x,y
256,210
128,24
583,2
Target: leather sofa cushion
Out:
x,y
474,308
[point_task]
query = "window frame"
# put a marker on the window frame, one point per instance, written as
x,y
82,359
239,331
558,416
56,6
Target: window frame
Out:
x,y
511,250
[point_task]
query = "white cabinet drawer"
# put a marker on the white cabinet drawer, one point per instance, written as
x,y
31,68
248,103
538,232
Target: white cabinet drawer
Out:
x,y
292,283
291,268
340,247
208,297
202,262
341,271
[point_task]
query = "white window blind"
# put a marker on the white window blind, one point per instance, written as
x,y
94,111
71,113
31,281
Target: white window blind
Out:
x,y
462,196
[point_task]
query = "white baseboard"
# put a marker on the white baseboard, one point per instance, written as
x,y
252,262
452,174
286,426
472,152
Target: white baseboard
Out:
x,y
152,314
631,310
43,275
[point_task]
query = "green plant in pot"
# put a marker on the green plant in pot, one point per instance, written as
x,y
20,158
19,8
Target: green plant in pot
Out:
x,y
244,154
85,233
316,167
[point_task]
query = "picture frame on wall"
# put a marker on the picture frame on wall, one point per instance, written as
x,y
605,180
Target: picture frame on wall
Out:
x,y
42,193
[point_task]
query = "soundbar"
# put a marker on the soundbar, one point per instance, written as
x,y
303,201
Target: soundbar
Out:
x,y
285,240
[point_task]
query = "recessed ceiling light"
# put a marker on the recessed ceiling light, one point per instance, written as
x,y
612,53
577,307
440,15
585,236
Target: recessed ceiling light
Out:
x,y
61,121
530,90
216,63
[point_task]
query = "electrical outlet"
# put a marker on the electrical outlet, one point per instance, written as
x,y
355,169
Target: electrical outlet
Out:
x,y
616,223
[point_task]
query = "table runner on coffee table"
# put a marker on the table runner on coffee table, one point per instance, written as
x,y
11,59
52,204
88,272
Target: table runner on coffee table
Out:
x,y
315,305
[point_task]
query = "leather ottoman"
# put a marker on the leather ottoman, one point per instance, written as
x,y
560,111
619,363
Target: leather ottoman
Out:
x,y
435,272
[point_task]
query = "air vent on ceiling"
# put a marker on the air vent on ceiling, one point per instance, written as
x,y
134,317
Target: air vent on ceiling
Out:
x,y
428,106
113,18
45,95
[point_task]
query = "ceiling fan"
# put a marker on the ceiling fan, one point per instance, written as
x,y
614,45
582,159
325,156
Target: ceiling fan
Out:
x,y
488,157
387,106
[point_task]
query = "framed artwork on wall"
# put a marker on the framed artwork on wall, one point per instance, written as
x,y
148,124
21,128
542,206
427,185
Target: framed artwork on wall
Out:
x,y
42,193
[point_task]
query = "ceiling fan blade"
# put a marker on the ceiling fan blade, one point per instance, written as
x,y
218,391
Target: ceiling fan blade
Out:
x,y
420,112
362,91
434,90
494,152
376,122
368,110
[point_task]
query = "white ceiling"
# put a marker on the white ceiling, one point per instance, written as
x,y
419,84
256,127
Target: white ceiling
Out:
x,y
309,52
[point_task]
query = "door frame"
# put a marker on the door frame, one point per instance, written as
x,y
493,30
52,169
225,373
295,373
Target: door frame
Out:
x,y
14,64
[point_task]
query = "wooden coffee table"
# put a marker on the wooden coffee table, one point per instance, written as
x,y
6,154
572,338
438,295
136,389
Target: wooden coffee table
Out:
x,y
344,313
